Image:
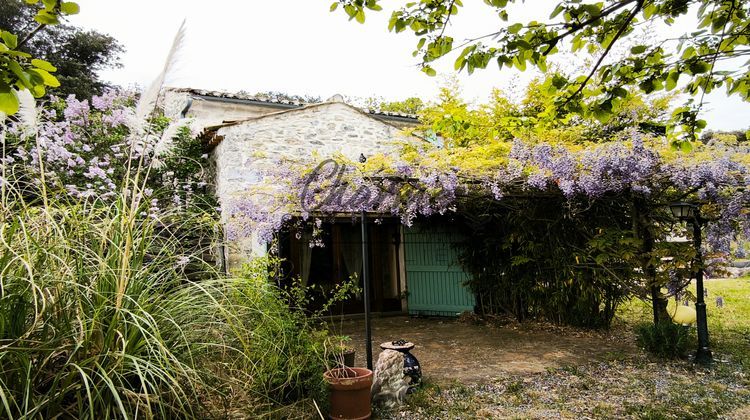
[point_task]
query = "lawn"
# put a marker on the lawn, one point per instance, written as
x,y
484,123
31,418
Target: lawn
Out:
x,y
634,385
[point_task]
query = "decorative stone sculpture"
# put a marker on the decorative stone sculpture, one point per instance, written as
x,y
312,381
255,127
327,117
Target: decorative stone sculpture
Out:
x,y
411,364
390,384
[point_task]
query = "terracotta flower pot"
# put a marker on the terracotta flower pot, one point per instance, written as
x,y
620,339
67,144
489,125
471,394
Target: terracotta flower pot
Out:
x,y
350,392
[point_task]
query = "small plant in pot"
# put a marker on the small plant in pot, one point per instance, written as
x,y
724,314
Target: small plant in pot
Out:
x,y
348,386
349,390
343,354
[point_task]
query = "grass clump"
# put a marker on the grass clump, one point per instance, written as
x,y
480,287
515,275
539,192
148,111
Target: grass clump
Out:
x,y
664,339
100,318
109,304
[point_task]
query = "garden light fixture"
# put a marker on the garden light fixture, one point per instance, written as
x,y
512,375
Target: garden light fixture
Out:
x,y
683,211
690,213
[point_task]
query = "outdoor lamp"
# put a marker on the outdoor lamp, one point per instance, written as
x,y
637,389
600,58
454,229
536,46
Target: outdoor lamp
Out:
x,y
683,211
689,212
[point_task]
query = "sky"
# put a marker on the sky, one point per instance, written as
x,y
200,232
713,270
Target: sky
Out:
x,y
299,47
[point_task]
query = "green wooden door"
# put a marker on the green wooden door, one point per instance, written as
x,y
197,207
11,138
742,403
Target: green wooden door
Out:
x,y
434,278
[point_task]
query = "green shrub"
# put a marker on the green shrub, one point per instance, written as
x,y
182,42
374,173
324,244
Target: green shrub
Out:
x,y
106,311
109,304
665,339
530,259
99,318
90,299
287,350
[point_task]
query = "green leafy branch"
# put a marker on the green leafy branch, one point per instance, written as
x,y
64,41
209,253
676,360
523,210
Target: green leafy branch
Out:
x,y
20,71
687,62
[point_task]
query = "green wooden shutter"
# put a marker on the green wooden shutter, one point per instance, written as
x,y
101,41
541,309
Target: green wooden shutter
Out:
x,y
434,278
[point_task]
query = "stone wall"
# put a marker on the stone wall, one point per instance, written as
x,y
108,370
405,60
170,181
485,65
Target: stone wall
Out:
x,y
313,133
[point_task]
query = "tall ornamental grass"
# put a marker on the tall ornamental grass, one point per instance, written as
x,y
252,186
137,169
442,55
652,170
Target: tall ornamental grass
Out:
x,y
108,308
88,311
103,314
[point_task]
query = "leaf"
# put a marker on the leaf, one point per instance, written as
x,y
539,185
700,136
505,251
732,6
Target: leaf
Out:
x,y
350,10
46,18
8,101
360,16
686,146
44,65
672,79
698,67
542,64
16,53
9,39
638,49
602,115
47,78
392,23
680,110
649,10
559,8
20,74
647,86
620,92
334,6
429,71
688,53
514,28
69,8
37,91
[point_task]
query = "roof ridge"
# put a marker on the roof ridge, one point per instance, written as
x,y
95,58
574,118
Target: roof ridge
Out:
x,y
219,94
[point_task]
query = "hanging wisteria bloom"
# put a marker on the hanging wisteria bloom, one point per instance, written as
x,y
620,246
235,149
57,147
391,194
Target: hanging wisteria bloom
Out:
x,y
85,150
425,186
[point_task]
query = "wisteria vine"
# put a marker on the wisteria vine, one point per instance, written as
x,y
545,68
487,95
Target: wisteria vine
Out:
x,y
84,149
424,186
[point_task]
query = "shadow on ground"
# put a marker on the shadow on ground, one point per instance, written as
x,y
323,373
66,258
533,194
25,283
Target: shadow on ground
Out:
x,y
451,350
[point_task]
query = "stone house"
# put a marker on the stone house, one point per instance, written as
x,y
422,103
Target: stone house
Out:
x,y
244,134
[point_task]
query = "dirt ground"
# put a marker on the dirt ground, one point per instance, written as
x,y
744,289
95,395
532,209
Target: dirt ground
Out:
x,y
468,352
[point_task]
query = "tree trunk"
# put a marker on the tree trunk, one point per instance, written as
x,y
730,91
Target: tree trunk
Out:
x,y
642,230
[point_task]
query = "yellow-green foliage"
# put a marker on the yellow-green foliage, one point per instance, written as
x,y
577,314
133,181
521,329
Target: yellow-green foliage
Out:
x,y
536,117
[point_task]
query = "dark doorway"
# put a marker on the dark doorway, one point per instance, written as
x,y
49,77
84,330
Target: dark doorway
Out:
x,y
337,255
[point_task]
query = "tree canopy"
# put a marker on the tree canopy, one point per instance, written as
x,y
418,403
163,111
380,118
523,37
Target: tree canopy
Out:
x,y
75,55
705,58
534,118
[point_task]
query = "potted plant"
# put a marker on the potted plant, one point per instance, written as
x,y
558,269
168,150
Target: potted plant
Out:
x,y
348,386
349,355
344,354
349,392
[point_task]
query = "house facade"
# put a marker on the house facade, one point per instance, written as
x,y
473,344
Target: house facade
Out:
x,y
411,270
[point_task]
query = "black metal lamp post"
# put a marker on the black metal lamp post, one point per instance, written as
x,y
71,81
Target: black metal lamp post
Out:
x,y
366,286
691,213
366,281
